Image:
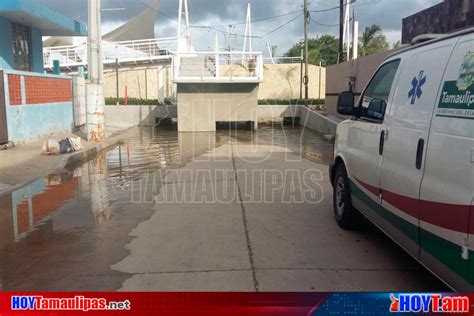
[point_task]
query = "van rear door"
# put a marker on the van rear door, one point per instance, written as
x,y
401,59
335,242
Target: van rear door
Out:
x,y
407,135
446,219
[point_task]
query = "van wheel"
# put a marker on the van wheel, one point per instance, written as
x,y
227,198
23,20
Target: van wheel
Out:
x,y
347,217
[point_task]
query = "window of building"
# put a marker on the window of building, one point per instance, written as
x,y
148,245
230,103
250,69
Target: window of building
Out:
x,y
21,47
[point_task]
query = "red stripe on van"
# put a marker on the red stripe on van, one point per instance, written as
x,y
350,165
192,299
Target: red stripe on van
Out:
x,y
406,204
450,216
374,190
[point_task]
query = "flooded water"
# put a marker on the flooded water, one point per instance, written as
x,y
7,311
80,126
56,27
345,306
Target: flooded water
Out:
x,y
64,231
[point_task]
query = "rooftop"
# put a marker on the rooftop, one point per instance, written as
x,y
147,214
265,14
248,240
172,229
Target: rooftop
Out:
x,y
49,21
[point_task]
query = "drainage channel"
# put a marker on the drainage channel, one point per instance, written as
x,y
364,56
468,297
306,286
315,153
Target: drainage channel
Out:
x,y
65,230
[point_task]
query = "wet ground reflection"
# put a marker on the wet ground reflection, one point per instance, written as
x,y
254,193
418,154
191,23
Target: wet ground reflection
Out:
x,y
63,231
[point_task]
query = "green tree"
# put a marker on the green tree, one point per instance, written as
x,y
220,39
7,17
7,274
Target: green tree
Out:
x,y
398,44
373,40
321,48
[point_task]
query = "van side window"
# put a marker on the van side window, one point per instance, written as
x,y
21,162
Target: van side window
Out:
x,y
375,98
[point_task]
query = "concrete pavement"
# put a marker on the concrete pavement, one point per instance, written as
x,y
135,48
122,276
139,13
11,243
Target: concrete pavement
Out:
x,y
202,212
267,225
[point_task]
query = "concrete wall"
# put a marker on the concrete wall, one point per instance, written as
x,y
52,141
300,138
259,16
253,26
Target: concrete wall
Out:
x,y
147,115
151,83
445,17
79,100
282,81
338,77
37,105
201,105
275,113
30,122
317,121
133,115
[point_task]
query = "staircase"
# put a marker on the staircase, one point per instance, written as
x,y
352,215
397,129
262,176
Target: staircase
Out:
x,y
201,66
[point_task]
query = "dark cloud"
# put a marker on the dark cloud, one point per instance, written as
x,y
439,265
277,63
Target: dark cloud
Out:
x,y
219,13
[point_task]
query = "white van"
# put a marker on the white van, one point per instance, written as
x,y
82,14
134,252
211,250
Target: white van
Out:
x,y
405,160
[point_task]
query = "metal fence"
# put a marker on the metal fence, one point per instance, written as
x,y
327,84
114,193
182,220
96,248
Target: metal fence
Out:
x,y
282,60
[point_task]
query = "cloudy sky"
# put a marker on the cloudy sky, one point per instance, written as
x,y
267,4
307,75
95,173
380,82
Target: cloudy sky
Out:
x,y
218,14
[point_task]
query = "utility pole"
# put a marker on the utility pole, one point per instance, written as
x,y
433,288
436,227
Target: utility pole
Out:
x,y
306,53
301,73
229,36
347,29
341,32
95,102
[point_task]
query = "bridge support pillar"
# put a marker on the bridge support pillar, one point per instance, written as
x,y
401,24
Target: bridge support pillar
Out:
x,y
202,105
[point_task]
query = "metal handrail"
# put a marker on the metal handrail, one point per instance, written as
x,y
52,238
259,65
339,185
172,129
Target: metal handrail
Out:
x,y
76,55
218,66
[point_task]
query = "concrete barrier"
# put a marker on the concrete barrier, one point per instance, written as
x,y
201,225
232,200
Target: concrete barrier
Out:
x,y
318,122
137,115
272,113
147,115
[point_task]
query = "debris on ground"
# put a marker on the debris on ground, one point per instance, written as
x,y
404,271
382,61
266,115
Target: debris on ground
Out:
x,y
64,146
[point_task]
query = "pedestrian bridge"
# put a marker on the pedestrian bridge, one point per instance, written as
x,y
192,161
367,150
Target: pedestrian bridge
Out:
x,y
211,87
215,87
123,54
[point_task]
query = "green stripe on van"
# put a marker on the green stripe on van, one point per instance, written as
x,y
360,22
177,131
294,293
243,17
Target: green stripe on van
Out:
x,y
407,228
448,253
445,251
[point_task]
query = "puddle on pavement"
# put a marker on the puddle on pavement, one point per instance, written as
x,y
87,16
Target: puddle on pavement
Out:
x,y
63,231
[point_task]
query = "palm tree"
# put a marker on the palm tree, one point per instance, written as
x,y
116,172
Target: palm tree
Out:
x,y
370,33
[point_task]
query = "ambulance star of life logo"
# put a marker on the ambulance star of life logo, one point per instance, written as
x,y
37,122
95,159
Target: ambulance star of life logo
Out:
x,y
417,83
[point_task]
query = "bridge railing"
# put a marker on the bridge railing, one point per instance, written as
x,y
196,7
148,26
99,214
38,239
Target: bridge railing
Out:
x,y
282,60
218,67
125,51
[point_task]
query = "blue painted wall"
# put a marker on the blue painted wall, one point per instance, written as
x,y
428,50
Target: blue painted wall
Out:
x,y
37,64
26,122
65,26
6,54
27,192
31,121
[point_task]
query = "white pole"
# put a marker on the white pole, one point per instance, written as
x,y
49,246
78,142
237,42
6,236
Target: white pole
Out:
x,y
245,35
270,53
94,42
348,31
188,33
355,40
180,10
95,102
248,34
250,26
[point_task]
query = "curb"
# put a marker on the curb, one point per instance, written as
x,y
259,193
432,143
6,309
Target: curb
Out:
x,y
72,160
75,159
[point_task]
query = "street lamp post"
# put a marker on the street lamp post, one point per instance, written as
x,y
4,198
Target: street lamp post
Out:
x,y
95,101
